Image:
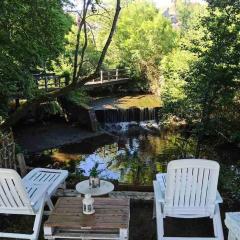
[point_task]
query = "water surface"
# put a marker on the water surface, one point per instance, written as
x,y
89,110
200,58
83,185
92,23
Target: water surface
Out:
x,y
140,152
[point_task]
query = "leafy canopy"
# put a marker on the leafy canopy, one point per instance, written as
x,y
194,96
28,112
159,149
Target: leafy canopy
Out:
x,y
143,37
31,34
213,81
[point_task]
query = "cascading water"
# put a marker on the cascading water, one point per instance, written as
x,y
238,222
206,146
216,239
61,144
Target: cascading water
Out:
x,y
127,115
122,119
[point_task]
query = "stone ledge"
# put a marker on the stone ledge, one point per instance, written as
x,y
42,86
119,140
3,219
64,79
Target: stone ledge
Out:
x,y
115,194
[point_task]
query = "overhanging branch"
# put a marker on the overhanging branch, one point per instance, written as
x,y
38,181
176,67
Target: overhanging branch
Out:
x,y
29,105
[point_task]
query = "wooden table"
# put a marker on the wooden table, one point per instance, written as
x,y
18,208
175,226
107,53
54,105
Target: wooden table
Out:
x,y
110,220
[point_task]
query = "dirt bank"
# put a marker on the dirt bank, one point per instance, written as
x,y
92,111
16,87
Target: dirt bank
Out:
x,y
38,137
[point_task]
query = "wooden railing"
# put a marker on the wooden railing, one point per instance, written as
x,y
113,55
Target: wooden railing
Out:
x,y
50,81
110,76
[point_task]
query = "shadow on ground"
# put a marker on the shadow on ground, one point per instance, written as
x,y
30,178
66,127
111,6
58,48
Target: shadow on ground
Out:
x,y
142,226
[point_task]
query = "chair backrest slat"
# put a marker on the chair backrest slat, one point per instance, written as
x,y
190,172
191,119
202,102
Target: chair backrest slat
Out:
x,y
14,193
183,187
13,196
191,187
188,187
177,187
4,198
204,187
7,191
199,187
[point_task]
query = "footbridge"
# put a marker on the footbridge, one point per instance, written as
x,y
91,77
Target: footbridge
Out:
x,y
51,81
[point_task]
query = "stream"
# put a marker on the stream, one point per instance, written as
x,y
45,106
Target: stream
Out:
x,y
142,150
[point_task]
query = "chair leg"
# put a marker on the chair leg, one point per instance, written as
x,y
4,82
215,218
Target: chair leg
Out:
x,y
154,209
50,203
217,224
36,227
50,206
63,185
160,226
37,221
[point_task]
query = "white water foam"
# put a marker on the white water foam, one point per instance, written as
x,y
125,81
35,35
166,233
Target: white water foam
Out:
x,y
123,127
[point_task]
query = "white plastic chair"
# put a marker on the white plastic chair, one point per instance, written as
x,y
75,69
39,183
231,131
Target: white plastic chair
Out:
x,y
28,196
188,190
53,178
232,222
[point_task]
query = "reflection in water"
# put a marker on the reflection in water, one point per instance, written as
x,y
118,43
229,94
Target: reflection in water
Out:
x,y
135,158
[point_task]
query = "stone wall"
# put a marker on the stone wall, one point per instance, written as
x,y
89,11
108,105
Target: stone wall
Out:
x,y
80,113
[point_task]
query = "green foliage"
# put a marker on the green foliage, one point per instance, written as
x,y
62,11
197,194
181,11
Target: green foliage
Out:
x,y
235,137
94,171
189,14
136,170
229,181
79,97
54,108
201,75
142,39
31,34
151,37
49,109
175,66
64,63
213,80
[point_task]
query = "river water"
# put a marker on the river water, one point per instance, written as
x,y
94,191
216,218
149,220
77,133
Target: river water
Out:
x,y
142,150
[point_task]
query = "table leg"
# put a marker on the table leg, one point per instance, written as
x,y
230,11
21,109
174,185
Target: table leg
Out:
x,y
123,234
48,232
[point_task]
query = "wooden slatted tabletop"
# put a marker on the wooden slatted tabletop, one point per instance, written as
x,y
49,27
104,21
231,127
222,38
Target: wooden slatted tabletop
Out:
x,y
111,215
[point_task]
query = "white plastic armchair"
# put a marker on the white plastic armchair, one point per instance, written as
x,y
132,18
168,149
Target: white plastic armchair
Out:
x,y
188,190
28,196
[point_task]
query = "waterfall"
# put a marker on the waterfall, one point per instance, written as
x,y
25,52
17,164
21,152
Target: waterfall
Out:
x,y
128,115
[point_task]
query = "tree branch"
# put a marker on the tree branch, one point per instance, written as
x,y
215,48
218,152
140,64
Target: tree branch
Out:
x,y
83,49
81,24
29,105
75,61
91,31
109,40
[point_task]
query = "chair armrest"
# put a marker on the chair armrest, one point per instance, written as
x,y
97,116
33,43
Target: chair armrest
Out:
x,y
36,193
158,194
